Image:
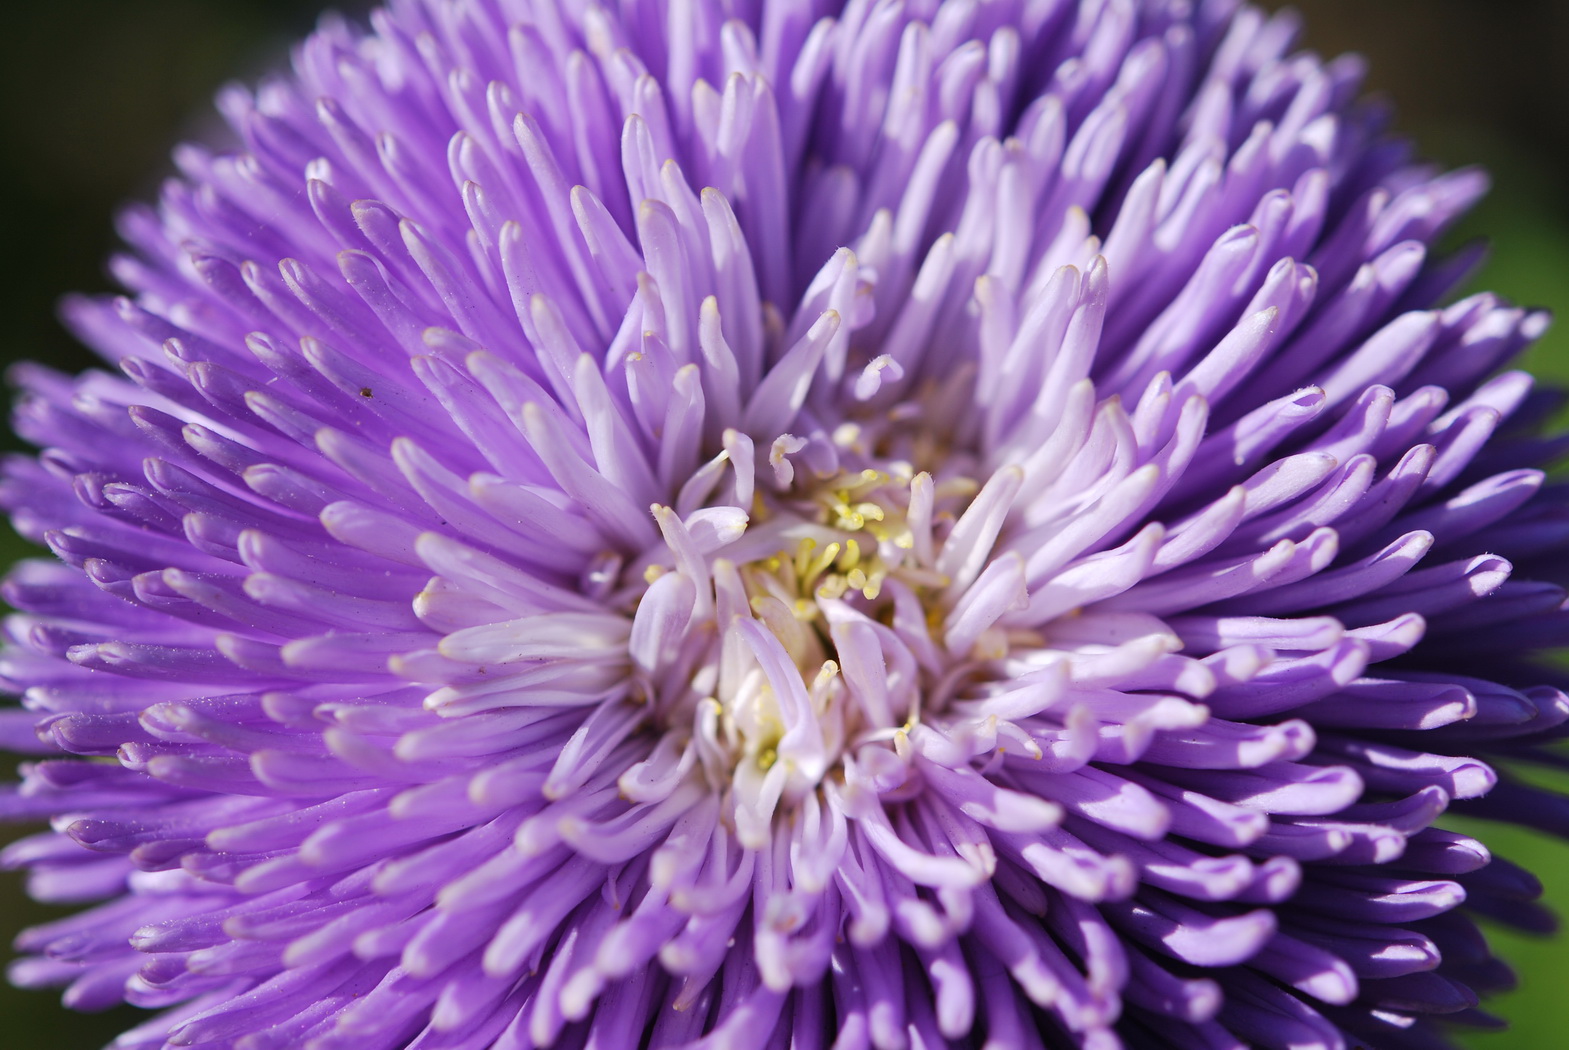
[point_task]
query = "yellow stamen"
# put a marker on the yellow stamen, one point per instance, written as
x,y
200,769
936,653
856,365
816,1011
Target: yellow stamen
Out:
x,y
851,556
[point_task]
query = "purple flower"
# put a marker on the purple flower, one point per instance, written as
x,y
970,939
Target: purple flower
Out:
x,y
752,523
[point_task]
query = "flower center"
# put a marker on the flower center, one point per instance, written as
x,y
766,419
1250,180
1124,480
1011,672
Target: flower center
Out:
x,y
781,643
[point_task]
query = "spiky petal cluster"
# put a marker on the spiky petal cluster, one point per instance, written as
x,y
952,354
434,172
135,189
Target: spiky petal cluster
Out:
x,y
770,523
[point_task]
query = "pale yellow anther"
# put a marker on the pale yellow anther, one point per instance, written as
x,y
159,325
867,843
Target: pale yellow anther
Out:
x,y
818,565
846,435
851,556
803,557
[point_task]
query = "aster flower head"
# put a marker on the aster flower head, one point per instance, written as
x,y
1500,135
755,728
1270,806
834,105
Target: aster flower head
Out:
x,y
774,523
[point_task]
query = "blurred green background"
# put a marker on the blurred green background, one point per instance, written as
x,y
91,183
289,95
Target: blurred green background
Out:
x,y
94,92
